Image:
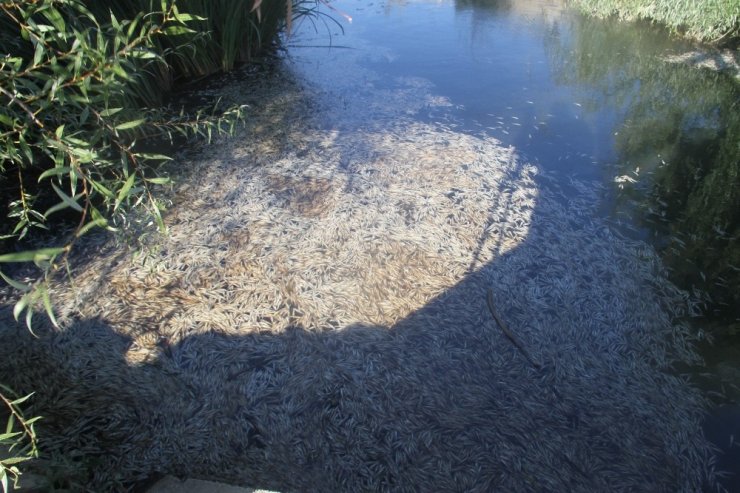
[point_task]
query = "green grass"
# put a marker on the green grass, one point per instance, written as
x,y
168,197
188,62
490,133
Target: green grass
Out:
x,y
705,20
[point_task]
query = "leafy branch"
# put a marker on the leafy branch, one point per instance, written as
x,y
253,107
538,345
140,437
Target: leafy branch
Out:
x,y
19,439
71,118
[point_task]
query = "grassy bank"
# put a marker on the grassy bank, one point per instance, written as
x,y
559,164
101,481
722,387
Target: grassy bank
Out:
x,y
716,21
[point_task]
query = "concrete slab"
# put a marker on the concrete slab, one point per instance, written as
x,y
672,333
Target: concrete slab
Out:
x,y
170,484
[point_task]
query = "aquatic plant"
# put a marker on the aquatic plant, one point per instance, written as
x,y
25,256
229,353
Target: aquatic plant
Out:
x,y
707,20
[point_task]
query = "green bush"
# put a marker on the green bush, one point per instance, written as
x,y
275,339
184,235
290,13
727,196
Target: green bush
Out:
x,y
73,117
18,440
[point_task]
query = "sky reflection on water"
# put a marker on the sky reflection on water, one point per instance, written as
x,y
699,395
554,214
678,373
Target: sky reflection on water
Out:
x,y
581,98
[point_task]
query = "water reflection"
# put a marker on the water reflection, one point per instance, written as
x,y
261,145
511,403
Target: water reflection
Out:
x,y
593,100
678,139
494,5
527,8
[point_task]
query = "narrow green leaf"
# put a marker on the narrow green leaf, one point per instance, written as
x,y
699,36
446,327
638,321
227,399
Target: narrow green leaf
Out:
x,y
123,192
49,312
14,460
21,305
71,202
38,53
97,221
133,25
130,125
31,255
21,400
7,120
102,189
143,54
154,156
56,171
55,208
159,180
177,30
17,285
184,18
119,71
110,111
90,225
7,436
55,17
29,319
83,155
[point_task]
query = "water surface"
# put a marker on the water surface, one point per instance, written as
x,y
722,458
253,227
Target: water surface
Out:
x,y
585,100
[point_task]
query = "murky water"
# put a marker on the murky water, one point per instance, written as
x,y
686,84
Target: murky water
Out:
x,y
582,99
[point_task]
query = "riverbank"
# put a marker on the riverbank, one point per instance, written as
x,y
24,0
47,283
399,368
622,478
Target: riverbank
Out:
x,y
712,21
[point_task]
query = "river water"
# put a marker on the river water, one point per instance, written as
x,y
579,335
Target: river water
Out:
x,y
584,99
456,248
612,105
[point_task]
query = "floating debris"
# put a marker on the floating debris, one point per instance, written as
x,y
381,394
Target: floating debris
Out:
x,y
318,319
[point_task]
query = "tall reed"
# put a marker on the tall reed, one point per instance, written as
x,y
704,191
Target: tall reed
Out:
x,y
224,32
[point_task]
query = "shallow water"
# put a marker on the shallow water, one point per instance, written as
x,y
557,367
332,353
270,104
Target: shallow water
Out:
x,y
326,300
582,99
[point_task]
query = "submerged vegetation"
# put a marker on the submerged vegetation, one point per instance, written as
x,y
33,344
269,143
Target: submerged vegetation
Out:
x,y
707,20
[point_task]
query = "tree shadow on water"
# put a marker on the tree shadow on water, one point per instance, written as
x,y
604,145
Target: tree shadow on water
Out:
x,y
440,401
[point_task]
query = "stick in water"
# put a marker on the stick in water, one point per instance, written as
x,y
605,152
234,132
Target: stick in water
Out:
x,y
507,332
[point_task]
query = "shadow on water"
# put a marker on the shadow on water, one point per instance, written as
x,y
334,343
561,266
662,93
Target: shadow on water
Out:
x,y
441,400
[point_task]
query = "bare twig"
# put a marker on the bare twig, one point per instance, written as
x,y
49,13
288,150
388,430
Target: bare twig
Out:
x,y
507,332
